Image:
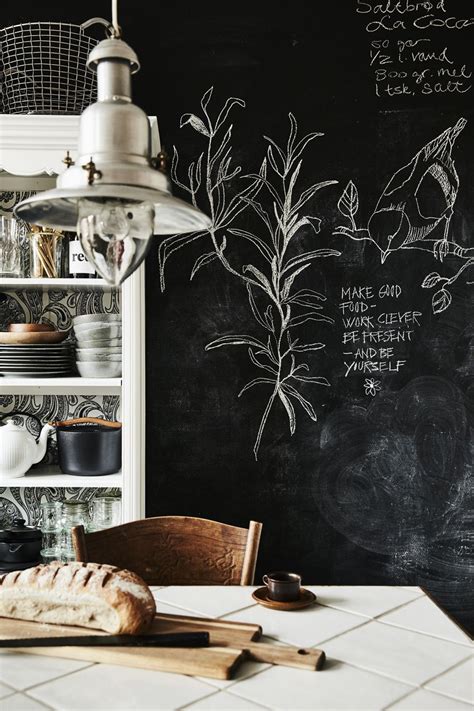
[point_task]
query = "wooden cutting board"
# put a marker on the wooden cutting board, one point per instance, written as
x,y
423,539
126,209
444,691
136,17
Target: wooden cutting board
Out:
x,y
231,643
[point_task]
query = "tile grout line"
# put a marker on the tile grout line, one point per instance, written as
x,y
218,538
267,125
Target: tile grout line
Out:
x,y
37,701
399,607
236,696
196,701
426,634
400,698
341,634
415,685
216,692
407,629
207,616
422,688
371,617
240,609
8,686
437,676
61,676
377,673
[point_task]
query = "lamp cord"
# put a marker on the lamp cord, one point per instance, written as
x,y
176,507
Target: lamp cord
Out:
x,y
116,27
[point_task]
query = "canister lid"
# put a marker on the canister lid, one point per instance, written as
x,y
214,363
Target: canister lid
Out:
x,y
19,531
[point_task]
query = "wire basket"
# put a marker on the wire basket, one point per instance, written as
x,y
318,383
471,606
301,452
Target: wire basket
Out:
x,y
43,68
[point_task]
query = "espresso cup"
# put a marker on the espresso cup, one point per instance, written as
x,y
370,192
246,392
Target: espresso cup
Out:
x,y
282,586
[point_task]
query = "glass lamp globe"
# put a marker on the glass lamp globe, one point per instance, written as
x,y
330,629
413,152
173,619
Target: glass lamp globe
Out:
x,y
115,236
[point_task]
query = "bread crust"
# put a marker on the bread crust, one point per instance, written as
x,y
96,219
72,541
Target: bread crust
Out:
x,y
124,602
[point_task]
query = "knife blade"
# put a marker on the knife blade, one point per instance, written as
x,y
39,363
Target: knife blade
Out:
x,y
177,639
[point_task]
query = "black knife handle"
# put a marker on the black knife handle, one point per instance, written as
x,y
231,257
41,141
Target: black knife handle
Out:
x,y
174,639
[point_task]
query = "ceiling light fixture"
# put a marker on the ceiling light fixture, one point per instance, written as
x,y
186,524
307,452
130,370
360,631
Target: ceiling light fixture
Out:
x,y
116,195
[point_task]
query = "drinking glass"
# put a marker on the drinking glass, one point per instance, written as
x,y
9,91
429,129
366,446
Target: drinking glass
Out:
x,y
10,249
106,511
46,253
74,513
50,524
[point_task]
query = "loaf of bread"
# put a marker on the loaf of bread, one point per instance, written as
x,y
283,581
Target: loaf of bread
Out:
x,y
82,594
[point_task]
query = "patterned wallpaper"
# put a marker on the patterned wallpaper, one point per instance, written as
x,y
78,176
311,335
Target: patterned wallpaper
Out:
x,y
56,307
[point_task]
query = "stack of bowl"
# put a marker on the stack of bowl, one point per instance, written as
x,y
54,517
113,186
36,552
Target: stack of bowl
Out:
x,y
99,345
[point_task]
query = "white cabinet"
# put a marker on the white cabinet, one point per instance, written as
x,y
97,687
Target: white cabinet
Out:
x,y
31,150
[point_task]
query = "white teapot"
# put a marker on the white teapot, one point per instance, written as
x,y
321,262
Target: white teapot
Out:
x,y
19,449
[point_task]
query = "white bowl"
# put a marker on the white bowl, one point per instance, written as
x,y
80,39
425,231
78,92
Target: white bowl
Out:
x,y
99,351
97,331
96,357
100,343
99,369
96,318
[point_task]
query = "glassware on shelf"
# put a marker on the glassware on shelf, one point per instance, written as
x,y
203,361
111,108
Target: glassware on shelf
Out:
x,y
46,253
50,524
106,511
74,513
10,248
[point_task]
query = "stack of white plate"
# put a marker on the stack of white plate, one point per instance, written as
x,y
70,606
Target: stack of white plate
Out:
x,y
99,345
40,360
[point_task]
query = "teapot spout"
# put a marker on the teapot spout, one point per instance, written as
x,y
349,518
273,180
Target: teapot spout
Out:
x,y
42,443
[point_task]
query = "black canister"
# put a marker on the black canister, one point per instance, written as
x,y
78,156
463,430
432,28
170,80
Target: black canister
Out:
x,y
19,543
89,446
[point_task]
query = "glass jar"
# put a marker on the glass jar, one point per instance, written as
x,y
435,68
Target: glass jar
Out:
x,y
74,513
10,248
46,253
50,524
106,511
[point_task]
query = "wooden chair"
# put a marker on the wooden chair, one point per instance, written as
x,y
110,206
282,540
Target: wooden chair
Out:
x,y
175,550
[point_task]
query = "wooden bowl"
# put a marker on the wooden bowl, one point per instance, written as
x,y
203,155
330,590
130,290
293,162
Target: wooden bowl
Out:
x,y
29,328
32,337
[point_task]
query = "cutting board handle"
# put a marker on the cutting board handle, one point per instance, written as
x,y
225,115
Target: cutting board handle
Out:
x,y
301,658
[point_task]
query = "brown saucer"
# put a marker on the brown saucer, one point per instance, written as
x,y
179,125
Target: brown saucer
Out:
x,y
306,599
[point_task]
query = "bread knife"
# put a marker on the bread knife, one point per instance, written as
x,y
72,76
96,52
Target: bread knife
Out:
x,y
177,639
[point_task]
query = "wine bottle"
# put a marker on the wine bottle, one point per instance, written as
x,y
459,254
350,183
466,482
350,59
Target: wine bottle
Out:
x,y
79,266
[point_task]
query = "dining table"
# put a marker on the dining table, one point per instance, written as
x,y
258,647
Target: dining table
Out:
x,y
386,648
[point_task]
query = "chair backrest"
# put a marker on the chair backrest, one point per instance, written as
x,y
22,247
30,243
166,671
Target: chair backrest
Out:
x,y
175,550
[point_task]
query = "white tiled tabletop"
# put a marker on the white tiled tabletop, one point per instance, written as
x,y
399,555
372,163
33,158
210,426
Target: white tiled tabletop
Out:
x,y
387,648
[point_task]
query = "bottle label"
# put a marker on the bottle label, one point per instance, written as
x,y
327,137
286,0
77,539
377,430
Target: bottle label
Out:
x,y
78,263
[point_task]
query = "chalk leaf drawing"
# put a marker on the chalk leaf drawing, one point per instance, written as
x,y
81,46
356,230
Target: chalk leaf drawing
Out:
x,y
419,196
277,305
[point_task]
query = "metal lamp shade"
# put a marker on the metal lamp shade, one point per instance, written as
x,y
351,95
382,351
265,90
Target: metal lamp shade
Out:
x,y
60,208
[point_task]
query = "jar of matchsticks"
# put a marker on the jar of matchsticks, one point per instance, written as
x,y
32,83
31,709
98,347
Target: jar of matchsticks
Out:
x,y
46,253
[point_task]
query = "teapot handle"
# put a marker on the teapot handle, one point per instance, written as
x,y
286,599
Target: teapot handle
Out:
x,y
9,415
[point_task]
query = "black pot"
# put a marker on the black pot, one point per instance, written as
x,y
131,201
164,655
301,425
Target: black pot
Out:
x,y
89,447
20,543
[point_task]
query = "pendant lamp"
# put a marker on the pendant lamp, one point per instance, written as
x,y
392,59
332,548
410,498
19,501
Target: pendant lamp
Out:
x,y
116,195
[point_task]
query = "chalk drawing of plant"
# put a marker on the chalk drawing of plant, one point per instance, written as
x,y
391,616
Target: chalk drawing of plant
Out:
x,y
419,196
276,304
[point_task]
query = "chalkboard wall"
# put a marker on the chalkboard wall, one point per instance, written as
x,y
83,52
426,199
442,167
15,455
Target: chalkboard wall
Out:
x,y
308,360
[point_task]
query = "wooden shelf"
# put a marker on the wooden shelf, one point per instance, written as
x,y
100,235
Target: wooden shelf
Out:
x,y
51,476
13,284
60,386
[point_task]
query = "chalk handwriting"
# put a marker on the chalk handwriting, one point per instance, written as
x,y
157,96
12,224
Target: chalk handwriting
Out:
x,y
367,334
417,65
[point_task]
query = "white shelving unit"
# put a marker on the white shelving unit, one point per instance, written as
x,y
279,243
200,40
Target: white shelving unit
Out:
x,y
53,476
60,386
46,284
31,152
